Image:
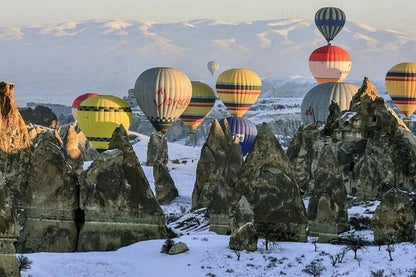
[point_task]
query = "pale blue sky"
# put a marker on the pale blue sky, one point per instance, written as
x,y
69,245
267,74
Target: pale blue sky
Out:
x,y
384,13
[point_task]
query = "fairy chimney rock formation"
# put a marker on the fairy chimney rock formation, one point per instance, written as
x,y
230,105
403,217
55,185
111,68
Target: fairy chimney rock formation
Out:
x,y
119,206
157,150
394,219
217,172
164,184
72,151
13,132
269,184
328,205
48,199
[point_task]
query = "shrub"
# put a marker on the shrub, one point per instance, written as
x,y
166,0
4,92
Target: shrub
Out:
x,y
23,262
167,246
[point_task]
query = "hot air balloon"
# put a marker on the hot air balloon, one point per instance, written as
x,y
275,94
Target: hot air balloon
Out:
x,y
329,64
238,88
244,130
401,86
98,116
163,93
202,102
213,66
329,21
315,104
78,101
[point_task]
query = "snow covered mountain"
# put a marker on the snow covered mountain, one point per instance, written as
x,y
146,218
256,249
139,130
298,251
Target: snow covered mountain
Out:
x,y
55,63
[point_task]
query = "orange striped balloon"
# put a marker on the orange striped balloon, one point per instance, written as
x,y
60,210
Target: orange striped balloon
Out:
x,y
238,88
329,64
401,86
202,102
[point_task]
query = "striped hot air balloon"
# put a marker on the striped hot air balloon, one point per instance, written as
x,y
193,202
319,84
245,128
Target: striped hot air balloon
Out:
x,y
329,21
202,102
329,64
401,86
238,88
163,94
98,117
78,101
244,130
315,104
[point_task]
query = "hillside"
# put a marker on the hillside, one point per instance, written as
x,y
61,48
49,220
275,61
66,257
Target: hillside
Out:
x,y
55,63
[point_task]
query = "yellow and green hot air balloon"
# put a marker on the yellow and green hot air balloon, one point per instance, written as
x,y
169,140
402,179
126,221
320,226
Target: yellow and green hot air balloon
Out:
x,y
163,94
98,117
238,88
202,102
401,86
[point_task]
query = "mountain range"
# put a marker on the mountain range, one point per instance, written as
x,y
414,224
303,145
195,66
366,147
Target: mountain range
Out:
x,y
55,63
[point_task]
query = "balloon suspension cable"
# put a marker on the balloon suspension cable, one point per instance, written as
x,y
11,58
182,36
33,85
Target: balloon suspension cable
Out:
x,y
329,43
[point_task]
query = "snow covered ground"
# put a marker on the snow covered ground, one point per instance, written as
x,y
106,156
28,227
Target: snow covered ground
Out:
x,y
209,254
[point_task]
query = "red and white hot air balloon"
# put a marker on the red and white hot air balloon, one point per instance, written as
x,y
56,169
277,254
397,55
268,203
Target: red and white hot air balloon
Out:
x,y
329,64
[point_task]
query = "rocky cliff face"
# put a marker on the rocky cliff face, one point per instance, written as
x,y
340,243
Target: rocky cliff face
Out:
x,y
268,182
373,146
119,205
327,211
49,199
157,150
394,219
218,168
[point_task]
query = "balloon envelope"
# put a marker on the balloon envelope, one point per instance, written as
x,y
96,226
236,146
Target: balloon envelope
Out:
x,y
98,116
401,86
213,66
78,101
329,21
244,130
238,88
163,94
329,64
315,104
202,102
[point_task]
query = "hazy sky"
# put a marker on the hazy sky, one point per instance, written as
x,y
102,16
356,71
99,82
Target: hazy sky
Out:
x,y
384,13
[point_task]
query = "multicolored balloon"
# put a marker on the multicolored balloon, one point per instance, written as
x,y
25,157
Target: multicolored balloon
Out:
x,y
315,104
329,64
163,94
401,86
244,130
238,88
329,21
202,102
213,66
98,117
78,101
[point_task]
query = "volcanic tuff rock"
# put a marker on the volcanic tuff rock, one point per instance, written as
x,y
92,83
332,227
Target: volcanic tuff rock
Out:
x,y
119,205
268,182
88,153
72,152
394,219
164,185
178,248
47,202
244,238
373,146
327,211
13,132
217,172
241,214
157,150
8,232
40,115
